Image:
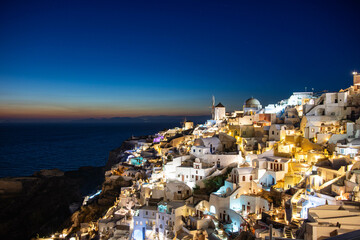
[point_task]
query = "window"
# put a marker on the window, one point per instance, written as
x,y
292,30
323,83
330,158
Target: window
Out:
x,y
197,172
194,150
250,177
273,132
146,213
179,192
192,176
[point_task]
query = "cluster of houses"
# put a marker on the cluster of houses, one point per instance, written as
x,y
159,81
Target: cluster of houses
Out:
x,y
289,170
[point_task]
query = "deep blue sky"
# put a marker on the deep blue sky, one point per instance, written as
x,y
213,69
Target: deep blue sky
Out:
x,y
125,58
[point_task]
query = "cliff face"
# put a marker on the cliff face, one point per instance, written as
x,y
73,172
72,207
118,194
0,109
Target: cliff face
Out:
x,y
117,155
40,204
95,210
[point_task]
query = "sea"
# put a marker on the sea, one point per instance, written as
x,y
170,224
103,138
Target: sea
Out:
x,y
29,147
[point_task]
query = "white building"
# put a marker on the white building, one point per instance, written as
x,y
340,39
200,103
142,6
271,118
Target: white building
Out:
x,y
177,190
222,160
144,221
348,148
219,112
170,167
276,168
276,131
251,106
190,172
331,220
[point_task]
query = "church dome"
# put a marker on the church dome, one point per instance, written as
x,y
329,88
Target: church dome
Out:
x,y
252,102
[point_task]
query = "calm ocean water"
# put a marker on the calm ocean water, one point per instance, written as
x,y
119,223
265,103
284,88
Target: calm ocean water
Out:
x,y
26,148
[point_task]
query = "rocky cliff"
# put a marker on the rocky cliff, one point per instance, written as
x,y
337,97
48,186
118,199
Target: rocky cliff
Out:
x,y
39,204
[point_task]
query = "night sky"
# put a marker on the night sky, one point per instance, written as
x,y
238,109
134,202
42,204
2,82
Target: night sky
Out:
x,y
80,59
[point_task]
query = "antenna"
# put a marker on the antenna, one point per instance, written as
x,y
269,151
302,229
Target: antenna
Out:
x,y
305,89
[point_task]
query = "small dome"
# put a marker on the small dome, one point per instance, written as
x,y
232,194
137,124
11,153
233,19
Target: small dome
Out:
x,y
252,102
198,142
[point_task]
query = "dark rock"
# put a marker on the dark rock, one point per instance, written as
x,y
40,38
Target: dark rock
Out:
x,y
41,206
117,155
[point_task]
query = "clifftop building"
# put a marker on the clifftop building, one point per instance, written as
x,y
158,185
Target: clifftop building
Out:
x,y
219,112
252,105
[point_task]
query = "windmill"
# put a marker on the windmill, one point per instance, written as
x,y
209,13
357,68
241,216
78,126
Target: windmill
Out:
x,y
213,107
183,122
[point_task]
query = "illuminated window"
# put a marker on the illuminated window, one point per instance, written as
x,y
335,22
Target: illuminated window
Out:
x,y
212,209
